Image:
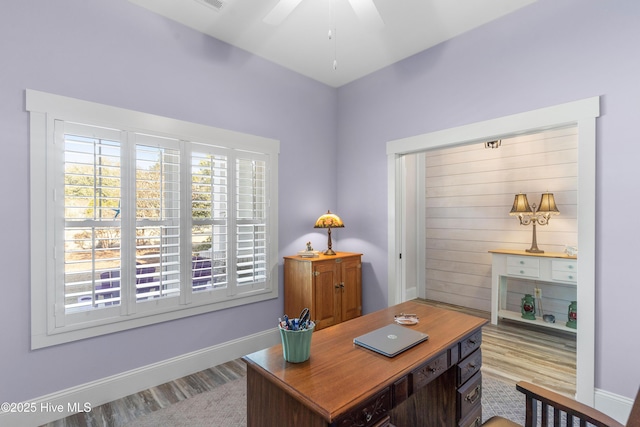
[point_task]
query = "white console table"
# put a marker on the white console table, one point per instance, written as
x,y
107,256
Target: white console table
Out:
x,y
552,268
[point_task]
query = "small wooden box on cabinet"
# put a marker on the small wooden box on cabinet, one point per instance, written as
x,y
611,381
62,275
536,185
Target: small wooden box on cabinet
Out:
x,y
329,285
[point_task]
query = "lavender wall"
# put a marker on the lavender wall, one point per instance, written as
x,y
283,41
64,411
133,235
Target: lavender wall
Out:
x,y
545,54
116,53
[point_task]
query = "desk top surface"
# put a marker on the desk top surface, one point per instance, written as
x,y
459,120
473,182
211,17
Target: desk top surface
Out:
x,y
340,374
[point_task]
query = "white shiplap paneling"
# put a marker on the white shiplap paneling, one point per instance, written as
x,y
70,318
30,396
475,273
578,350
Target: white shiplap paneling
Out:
x,y
469,193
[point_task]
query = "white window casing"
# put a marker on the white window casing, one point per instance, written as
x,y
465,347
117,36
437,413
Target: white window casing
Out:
x,y
138,219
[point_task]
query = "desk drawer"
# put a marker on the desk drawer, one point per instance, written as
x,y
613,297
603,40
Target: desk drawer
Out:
x,y
469,396
474,419
470,344
469,366
369,413
523,266
429,371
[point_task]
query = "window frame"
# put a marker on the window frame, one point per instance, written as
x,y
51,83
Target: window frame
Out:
x,y
45,109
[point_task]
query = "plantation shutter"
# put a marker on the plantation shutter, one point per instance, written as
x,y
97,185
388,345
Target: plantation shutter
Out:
x,y
251,208
91,236
210,216
157,217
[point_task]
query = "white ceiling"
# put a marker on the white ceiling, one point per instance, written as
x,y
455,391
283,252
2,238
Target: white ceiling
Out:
x,y
301,41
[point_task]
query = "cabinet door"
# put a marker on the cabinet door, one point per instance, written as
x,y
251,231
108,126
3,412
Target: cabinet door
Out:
x,y
351,288
326,292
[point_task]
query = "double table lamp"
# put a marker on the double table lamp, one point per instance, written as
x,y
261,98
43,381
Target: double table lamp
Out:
x,y
329,221
538,215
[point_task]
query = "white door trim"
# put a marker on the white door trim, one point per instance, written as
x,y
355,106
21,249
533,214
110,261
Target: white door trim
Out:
x,y
583,114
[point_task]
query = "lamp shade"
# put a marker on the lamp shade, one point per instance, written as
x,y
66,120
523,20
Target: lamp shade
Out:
x,y
548,204
521,205
329,220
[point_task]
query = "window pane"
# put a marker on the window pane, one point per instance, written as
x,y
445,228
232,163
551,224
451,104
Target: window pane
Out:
x,y
157,262
92,178
91,268
92,235
209,213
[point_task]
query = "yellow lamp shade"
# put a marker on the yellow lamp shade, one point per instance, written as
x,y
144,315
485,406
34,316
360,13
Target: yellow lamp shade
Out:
x,y
329,220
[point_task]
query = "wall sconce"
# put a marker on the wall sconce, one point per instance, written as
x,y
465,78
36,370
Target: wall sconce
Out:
x,y
493,144
329,221
540,215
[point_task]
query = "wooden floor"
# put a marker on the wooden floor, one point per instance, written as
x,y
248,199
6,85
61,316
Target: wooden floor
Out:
x,y
122,411
514,351
510,351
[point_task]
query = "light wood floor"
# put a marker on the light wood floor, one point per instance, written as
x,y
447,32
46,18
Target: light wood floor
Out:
x,y
510,351
514,351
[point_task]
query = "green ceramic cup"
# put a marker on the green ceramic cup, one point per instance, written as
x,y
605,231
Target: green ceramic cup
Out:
x,y
296,345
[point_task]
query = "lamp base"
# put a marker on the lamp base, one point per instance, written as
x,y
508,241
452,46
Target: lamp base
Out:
x,y
534,242
534,251
329,252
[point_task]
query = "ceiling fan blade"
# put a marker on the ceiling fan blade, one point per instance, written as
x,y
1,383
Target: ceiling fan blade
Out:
x,y
368,13
280,11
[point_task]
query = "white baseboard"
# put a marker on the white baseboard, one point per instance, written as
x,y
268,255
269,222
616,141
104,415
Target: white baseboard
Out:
x,y
61,404
616,406
411,293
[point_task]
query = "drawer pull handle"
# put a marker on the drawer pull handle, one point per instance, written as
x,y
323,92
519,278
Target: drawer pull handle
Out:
x,y
570,276
472,341
368,416
474,395
570,266
478,422
521,271
433,370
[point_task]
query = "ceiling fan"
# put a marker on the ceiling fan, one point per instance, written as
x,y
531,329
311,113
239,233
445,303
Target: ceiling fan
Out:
x,y
365,10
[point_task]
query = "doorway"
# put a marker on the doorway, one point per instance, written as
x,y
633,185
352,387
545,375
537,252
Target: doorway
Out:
x,y
581,114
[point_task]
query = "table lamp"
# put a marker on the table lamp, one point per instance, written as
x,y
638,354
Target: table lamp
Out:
x,y
540,215
329,221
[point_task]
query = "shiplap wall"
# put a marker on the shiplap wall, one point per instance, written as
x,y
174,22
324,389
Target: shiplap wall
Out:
x,y
469,193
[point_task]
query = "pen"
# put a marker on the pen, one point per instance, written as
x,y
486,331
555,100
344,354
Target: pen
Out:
x,y
286,321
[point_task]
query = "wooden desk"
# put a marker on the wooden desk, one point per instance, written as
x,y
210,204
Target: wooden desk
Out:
x,y
436,383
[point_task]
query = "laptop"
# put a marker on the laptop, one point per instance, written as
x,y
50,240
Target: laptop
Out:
x,y
391,340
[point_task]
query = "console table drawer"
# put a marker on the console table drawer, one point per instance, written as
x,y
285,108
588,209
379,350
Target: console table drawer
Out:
x,y
469,366
368,413
429,371
523,266
469,396
564,271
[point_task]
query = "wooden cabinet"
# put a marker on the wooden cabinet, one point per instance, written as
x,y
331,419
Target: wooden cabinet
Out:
x,y
330,286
